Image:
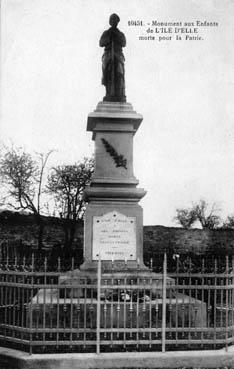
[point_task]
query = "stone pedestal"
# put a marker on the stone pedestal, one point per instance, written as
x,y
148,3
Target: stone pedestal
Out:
x,y
113,232
113,226
181,312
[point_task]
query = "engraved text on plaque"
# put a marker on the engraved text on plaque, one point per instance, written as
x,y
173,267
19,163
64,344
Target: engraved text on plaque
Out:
x,y
114,237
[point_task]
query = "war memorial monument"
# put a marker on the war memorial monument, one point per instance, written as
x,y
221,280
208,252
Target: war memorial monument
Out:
x,y
113,219
113,303
113,227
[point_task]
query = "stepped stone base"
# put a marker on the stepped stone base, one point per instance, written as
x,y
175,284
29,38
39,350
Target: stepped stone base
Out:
x,y
181,312
118,306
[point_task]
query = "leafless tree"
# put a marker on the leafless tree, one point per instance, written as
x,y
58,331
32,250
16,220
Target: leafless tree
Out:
x,y
205,213
22,176
67,183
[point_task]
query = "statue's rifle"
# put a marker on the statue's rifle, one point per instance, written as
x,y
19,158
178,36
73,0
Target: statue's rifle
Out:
x,y
112,67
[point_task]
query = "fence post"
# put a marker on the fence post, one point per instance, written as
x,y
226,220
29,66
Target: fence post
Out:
x,y
232,296
164,297
227,303
30,306
98,303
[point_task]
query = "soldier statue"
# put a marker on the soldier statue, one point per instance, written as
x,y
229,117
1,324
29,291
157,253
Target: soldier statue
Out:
x,y
113,61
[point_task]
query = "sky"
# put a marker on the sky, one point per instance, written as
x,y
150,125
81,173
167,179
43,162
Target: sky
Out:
x,y
51,81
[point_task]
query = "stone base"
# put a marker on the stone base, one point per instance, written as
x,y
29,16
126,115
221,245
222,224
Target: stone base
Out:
x,y
119,306
223,358
125,251
80,312
121,270
115,98
89,268
126,276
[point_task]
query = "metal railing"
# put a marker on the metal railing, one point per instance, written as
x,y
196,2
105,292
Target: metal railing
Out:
x,y
40,311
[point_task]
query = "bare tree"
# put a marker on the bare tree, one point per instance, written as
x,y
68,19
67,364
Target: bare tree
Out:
x,y
22,176
207,214
203,212
67,183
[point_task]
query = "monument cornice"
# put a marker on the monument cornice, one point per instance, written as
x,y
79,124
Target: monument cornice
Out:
x,y
110,193
116,113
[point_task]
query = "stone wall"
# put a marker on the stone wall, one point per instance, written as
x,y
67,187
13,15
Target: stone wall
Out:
x,y
159,239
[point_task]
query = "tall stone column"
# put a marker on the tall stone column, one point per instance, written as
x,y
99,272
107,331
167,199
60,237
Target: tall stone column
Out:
x,y
113,219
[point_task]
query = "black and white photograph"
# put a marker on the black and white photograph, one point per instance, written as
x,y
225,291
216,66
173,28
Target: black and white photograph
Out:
x,y
116,184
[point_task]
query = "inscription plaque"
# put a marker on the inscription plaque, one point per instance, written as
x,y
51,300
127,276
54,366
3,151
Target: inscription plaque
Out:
x,y
114,237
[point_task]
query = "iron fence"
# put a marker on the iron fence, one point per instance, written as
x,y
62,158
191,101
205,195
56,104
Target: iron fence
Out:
x,y
48,311
18,252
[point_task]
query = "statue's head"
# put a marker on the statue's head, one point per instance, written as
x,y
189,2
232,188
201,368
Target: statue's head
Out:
x,y
114,20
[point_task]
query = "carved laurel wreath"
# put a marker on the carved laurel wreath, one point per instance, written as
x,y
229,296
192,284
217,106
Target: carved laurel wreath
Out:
x,y
119,160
